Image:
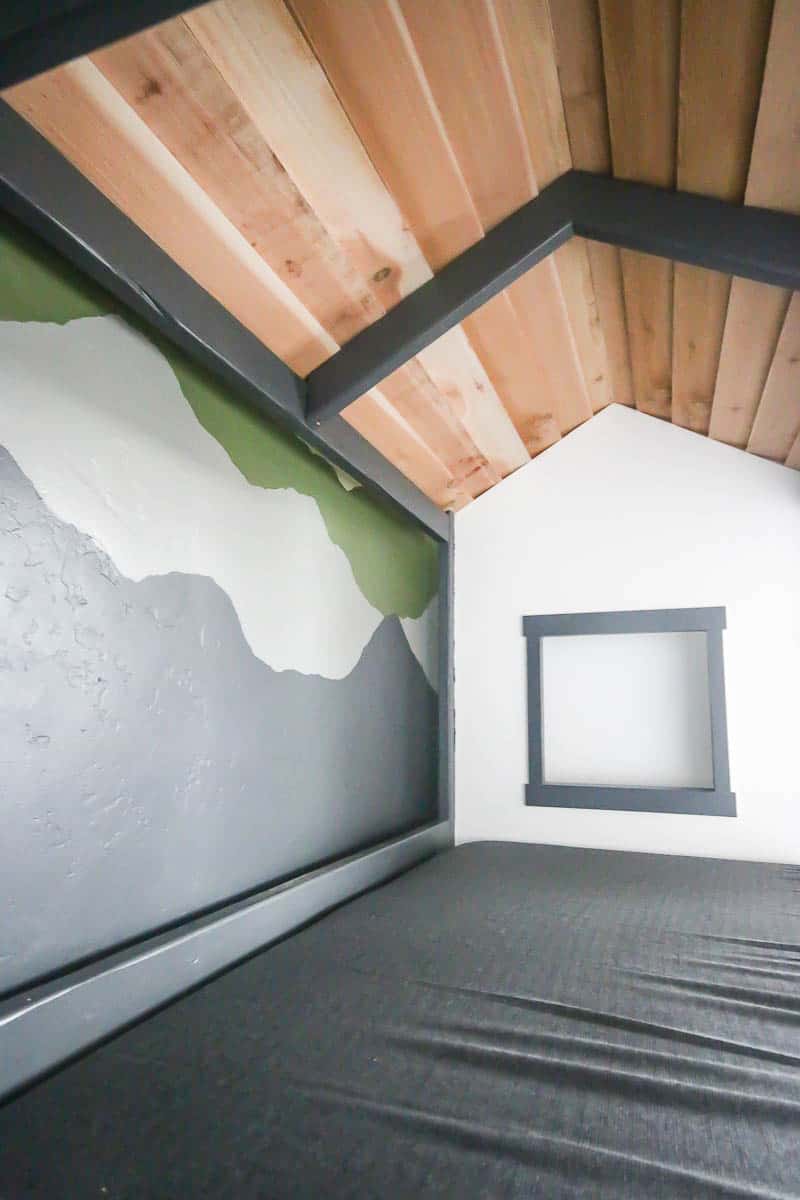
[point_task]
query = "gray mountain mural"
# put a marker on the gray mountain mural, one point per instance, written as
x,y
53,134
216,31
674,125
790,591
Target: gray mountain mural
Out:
x,y
152,765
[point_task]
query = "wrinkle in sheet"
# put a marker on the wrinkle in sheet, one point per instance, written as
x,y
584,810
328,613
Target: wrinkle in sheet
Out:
x,y
529,1146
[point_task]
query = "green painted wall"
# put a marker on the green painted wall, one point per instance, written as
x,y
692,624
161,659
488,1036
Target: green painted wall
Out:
x,y
394,563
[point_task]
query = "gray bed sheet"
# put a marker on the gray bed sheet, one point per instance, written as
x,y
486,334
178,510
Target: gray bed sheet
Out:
x,y
503,1021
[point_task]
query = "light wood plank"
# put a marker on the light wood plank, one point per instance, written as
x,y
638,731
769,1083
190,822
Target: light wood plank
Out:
x,y
574,270
772,179
485,129
456,41
259,49
84,116
579,57
539,302
723,46
517,371
753,324
367,52
166,76
606,267
700,306
647,283
526,39
432,416
382,425
373,64
756,312
459,375
640,55
78,110
525,32
777,422
168,79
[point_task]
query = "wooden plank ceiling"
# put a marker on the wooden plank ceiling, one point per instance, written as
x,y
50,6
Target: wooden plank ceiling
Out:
x,y
311,162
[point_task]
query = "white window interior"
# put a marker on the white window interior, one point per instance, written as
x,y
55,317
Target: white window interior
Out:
x,y
626,710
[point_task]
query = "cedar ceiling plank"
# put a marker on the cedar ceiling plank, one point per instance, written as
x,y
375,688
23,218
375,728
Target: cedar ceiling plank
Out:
x,y
170,81
574,269
640,55
777,422
375,69
723,47
460,39
495,332
166,76
753,324
538,301
80,112
259,49
367,53
526,35
756,311
456,42
647,286
460,376
772,179
722,59
526,39
540,306
426,410
700,305
579,56
382,425
606,267
85,118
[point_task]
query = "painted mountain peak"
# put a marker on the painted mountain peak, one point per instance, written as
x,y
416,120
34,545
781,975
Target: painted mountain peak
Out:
x,y
126,460
393,562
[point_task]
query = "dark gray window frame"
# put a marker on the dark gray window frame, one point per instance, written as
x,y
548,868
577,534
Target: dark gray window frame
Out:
x,y
716,801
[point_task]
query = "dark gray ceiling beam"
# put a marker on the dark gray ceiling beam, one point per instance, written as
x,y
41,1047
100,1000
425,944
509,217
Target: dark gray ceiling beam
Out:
x,y
507,251
755,243
45,192
36,35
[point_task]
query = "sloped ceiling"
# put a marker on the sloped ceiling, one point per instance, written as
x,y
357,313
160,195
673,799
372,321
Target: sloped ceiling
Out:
x,y
311,162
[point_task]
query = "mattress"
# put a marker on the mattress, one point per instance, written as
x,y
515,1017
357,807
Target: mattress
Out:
x,y
502,1021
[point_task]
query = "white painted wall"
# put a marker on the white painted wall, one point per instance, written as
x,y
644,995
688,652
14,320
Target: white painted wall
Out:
x,y
630,512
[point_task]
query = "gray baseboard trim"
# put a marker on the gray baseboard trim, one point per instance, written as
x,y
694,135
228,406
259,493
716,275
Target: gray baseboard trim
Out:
x,y
44,1027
